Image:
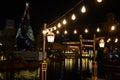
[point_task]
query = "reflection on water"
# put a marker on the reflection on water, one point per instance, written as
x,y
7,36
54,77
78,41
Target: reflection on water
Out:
x,y
69,64
86,64
67,69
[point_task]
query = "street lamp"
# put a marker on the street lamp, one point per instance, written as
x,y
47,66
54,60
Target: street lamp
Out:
x,y
50,38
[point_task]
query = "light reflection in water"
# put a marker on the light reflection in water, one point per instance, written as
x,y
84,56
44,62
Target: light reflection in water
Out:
x,y
86,64
68,64
90,66
56,70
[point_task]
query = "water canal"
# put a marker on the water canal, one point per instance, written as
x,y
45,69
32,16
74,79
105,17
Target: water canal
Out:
x,y
70,69
66,69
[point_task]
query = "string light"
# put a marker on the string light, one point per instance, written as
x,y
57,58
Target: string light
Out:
x,y
51,29
59,25
116,40
64,21
99,1
108,40
73,17
98,29
75,31
112,28
86,30
65,32
83,9
54,28
57,32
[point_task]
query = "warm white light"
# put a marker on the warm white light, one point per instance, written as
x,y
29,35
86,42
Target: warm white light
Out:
x,y
51,29
75,31
44,32
59,25
73,17
98,29
50,37
54,27
64,21
102,43
83,9
99,1
47,30
27,4
86,30
112,27
0,44
65,32
57,32
116,40
108,40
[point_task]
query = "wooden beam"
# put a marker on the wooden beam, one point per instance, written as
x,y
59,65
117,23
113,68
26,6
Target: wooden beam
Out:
x,y
86,40
87,45
70,43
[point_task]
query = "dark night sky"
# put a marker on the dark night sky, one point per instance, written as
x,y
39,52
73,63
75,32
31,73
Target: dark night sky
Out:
x,y
49,10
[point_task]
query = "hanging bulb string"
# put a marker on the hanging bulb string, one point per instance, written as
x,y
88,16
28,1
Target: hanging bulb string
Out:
x,y
66,13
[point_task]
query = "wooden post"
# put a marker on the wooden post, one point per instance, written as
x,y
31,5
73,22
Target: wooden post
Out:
x,y
80,57
44,63
94,64
44,42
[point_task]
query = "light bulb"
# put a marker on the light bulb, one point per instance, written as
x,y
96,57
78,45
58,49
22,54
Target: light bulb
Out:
x,y
99,1
83,9
73,17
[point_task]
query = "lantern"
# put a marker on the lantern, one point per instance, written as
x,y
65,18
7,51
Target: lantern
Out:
x,y
50,37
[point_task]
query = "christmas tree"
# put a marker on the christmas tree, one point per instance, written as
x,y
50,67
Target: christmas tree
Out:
x,y
24,36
